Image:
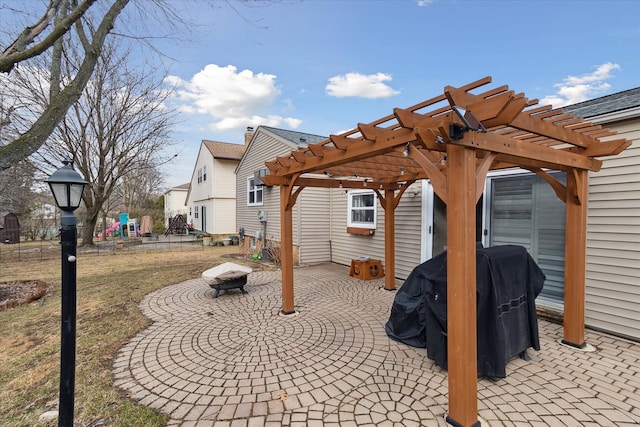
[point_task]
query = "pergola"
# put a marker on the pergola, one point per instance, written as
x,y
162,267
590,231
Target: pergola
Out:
x,y
454,140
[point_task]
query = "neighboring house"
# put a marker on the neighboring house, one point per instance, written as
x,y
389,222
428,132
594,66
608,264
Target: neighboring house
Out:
x,y
517,207
311,238
211,197
175,202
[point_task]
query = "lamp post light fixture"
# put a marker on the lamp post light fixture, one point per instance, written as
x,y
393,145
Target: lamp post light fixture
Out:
x,y
67,186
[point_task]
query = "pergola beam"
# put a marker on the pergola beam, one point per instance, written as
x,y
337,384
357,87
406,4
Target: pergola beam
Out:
x,y
522,149
356,150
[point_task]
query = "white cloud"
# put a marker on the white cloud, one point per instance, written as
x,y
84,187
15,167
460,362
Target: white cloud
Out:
x,y
233,99
360,85
422,3
576,89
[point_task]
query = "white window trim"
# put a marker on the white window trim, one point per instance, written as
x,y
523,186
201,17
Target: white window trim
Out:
x,y
257,188
350,223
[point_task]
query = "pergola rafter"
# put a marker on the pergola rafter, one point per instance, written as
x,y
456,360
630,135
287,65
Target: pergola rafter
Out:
x,y
454,140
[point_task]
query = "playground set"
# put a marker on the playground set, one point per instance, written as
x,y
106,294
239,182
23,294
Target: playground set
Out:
x,y
126,227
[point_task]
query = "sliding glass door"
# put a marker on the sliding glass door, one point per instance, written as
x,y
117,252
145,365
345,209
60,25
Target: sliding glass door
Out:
x,y
524,210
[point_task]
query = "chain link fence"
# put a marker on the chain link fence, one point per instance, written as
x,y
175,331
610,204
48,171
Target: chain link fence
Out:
x,y
41,249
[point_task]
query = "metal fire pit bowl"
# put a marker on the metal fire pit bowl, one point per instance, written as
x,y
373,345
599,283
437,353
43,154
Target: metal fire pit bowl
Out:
x,y
227,276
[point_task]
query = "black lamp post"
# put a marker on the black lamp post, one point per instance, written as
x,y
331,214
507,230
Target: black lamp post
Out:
x,y
67,186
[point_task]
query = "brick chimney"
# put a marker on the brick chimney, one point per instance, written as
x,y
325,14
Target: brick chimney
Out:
x,y
248,135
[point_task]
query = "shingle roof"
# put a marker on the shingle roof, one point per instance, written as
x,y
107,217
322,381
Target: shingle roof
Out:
x,y
300,138
606,104
224,150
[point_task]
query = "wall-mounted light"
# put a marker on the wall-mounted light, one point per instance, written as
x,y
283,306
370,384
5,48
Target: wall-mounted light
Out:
x,y
340,184
401,170
405,152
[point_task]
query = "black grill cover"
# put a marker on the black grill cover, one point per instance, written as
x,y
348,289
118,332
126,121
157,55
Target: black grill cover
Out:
x,y
507,283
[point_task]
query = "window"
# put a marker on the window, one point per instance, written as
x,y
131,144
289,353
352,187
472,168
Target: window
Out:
x,y
254,192
204,173
362,209
199,175
195,212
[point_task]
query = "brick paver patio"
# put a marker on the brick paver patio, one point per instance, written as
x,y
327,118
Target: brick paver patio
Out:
x,y
234,361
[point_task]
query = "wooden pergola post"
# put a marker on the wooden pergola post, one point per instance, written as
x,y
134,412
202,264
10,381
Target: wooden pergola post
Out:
x,y
461,287
575,257
389,240
286,248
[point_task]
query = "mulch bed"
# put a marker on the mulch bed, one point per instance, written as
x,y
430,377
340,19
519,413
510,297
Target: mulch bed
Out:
x,y
17,292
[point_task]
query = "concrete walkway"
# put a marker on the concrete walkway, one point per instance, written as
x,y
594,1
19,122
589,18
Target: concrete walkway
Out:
x,y
234,361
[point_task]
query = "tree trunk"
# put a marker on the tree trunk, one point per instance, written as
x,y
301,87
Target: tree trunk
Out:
x,y
90,225
104,226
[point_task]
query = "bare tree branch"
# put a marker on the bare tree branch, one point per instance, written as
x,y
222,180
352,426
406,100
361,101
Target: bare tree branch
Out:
x,y
17,51
29,142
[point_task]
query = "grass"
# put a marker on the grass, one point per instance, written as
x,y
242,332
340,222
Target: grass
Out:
x,y
109,289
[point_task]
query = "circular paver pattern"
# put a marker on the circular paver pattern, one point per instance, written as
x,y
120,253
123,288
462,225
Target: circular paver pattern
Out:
x,y
393,397
234,361
234,356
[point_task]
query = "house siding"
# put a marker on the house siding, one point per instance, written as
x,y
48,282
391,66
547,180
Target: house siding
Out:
x,y
314,211
613,240
174,204
202,190
263,147
346,247
216,193
224,177
408,231
221,217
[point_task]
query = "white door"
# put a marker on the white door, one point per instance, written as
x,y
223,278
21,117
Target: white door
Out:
x,y
434,217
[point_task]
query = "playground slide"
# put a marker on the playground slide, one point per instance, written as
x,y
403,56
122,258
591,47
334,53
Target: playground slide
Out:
x,y
111,229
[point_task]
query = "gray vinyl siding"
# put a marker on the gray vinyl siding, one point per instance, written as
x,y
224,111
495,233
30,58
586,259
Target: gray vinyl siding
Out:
x,y
262,148
613,240
314,208
408,231
346,247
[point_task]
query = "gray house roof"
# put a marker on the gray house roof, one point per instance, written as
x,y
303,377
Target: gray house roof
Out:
x,y
606,104
299,138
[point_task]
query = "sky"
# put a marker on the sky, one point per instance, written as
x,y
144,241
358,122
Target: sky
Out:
x,y
323,66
